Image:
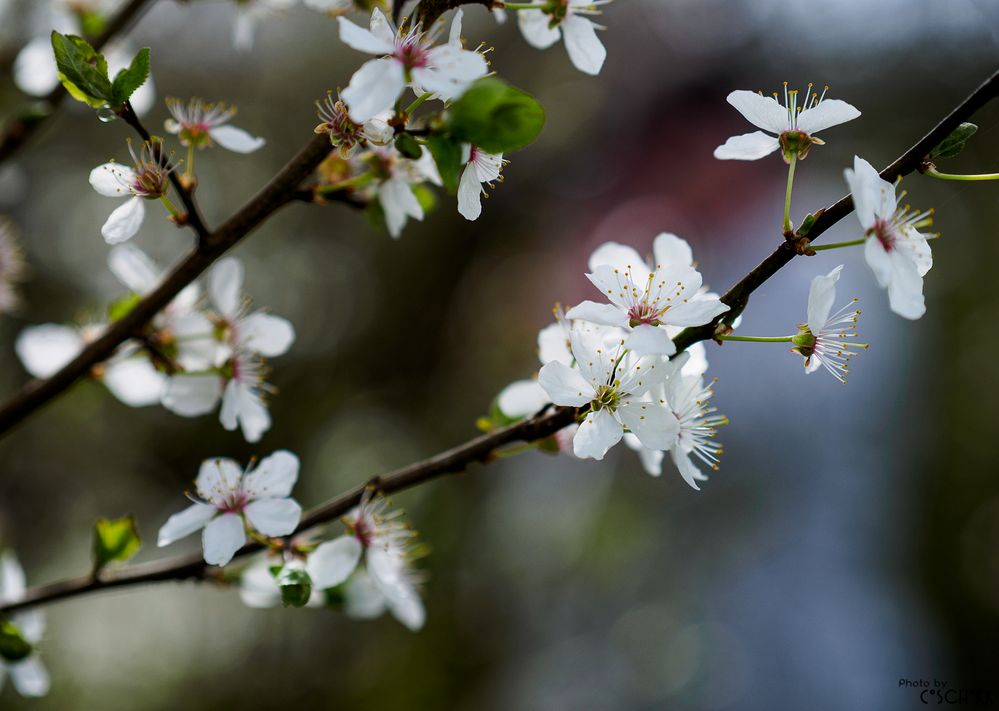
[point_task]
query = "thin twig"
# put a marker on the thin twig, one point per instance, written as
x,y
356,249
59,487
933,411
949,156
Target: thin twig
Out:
x,y
185,567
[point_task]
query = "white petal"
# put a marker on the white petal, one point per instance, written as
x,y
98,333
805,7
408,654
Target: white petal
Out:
x,y
135,381
866,187
225,286
584,47
827,113
236,139
274,517
12,581
616,286
651,459
685,465
878,260
905,293
333,561
522,398
124,221
565,385
597,433
620,257
254,419
45,349
821,295
748,146
222,538
655,425
398,202
273,477
605,314
35,70
112,180
650,340
761,111
192,395
365,40
133,268
469,194
553,344
182,524
668,250
535,26
696,311
219,480
31,623
266,334
408,609
450,71
257,587
918,248
30,676
374,88
362,599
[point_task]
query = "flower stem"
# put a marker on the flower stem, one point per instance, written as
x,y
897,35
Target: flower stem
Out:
x,y
170,206
787,195
934,173
837,245
416,102
356,182
189,170
521,6
757,339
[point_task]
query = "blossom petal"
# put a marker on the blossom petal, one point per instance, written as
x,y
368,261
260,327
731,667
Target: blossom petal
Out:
x,y
669,250
273,477
192,395
112,179
522,398
905,293
266,334
565,385
536,27
867,189
398,202
257,587
362,598
553,344
598,432
685,465
219,480
374,88
333,561
274,517
655,425
135,381
621,257
469,194
408,609
585,50
603,314
222,537
184,523
225,286
878,260
236,139
651,459
364,40
45,349
650,340
124,221
761,111
696,312
825,114
133,268
450,71
616,285
821,295
254,418
30,676
12,580
748,146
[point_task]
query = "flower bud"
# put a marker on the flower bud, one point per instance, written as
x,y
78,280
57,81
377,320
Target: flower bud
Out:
x,y
295,584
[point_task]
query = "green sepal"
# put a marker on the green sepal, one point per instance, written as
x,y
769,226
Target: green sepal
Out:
x,y
13,646
295,585
408,146
115,540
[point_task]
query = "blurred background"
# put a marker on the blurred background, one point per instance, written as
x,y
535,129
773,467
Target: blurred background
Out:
x,y
851,538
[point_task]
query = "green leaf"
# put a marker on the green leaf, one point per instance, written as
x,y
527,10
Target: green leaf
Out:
x,y
447,155
82,70
408,146
496,117
954,143
115,540
13,646
131,78
296,586
117,310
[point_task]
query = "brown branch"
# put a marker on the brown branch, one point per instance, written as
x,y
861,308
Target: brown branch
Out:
x,y
738,296
429,10
19,130
481,449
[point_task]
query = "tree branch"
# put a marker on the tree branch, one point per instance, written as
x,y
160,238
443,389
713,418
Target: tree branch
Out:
x,y
18,131
481,449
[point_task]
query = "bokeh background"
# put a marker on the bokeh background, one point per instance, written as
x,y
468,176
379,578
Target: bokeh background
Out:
x,y
849,540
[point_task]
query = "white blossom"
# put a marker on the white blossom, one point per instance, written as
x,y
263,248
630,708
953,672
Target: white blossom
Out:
x,y
569,20
201,124
149,180
395,177
29,675
647,299
347,134
229,499
794,125
481,169
825,339
407,57
894,249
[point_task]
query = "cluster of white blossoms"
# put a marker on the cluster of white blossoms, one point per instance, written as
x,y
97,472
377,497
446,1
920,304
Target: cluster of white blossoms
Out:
x,y
370,568
23,665
197,353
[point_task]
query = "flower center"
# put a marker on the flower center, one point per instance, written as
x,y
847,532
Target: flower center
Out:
x,y
643,314
150,181
608,398
411,54
235,503
804,341
885,234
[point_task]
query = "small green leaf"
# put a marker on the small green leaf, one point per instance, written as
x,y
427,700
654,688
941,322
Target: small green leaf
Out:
x,y
117,310
496,117
408,146
296,586
447,155
425,196
954,143
131,78
82,70
115,540
92,23
13,646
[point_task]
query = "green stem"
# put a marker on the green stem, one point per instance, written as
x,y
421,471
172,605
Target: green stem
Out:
x,y
170,206
787,195
356,182
521,6
934,173
757,339
417,102
189,170
837,245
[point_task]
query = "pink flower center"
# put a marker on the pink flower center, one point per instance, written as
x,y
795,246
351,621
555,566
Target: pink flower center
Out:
x,y
235,503
643,314
411,54
885,234
364,530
